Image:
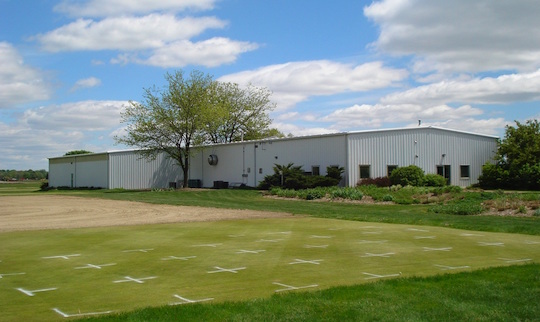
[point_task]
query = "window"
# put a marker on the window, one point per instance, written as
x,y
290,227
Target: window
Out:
x,y
315,170
390,168
464,171
364,172
444,170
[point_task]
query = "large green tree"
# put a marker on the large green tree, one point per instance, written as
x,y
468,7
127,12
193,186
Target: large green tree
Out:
x,y
517,163
172,120
191,111
244,114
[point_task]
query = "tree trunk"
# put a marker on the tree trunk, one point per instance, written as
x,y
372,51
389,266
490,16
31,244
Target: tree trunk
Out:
x,y
185,169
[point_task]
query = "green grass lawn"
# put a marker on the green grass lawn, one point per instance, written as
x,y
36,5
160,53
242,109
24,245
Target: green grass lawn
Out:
x,y
266,255
369,262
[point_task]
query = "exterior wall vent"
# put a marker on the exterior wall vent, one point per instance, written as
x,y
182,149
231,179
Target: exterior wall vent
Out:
x,y
212,159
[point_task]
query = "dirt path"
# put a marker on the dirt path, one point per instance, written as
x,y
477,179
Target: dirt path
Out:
x,y
56,212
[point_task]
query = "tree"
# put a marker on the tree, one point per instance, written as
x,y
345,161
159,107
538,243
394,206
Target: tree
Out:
x,y
244,114
517,161
172,120
76,152
191,111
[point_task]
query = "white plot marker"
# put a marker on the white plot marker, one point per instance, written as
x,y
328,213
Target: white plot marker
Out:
x,y
62,256
244,251
417,229
281,233
424,237
187,301
372,276
315,246
208,245
372,241
371,232
491,244
378,255
321,237
442,249
292,288
143,250
509,260
185,258
79,314
10,274
226,270
301,261
471,235
532,242
136,280
33,292
95,266
236,236
447,268
269,240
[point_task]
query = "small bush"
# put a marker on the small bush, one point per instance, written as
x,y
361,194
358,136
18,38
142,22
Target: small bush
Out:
x,y
44,186
407,176
537,213
346,193
462,208
388,198
434,180
379,182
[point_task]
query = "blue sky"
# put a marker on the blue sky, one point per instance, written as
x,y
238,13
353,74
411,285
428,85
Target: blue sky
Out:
x,y
67,68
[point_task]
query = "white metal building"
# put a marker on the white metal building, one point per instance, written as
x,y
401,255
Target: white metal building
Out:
x,y
457,155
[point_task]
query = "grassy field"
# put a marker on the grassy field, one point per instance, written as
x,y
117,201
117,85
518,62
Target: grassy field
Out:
x,y
363,268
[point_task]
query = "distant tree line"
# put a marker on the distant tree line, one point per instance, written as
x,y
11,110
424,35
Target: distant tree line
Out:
x,y
17,175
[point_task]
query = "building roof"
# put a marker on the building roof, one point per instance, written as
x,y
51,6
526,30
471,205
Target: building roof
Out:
x,y
271,139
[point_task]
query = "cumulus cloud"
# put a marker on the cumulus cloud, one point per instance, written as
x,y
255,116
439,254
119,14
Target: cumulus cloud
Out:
x,y
19,83
460,35
101,8
210,53
488,90
295,82
50,131
125,33
81,116
375,116
86,83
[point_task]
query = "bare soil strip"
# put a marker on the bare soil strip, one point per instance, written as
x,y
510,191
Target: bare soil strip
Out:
x,y
60,212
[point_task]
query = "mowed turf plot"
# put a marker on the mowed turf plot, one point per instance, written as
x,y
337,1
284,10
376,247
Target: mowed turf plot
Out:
x,y
54,274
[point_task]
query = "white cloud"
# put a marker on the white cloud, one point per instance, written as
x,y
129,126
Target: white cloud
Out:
x,y
19,83
125,33
51,131
86,83
375,116
210,53
77,116
460,35
295,82
297,130
101,8
499,90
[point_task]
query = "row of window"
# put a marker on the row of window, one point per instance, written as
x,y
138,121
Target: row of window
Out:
x,y
443,170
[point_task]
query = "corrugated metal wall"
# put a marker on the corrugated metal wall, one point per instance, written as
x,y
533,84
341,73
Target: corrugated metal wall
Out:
x,y
425,147
79,171
249,162
129,171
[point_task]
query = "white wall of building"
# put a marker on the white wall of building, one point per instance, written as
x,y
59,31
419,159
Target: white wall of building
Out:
x,y
249,162
77,171
424,147
128,170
